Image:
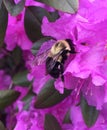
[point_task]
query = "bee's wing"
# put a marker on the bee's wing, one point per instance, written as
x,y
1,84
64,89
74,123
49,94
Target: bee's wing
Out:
x,y
40,58
43,52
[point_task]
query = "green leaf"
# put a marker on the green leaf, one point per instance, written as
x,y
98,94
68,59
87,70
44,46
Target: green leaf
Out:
x,y
27,99
38,44
2,126
67,119
0,3
49,96
3,23
69,6
21,79
51,123
14,9
90,114
7,97
54,16
33,20
17,52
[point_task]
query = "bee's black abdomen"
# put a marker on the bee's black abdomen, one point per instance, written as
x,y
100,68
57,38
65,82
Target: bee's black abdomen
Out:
x,y
52,67
55,72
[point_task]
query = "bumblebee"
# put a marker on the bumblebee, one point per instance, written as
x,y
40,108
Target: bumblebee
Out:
x,y
57,57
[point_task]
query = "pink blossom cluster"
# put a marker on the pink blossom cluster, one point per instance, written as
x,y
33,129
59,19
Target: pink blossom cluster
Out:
x,y
85,72
87,29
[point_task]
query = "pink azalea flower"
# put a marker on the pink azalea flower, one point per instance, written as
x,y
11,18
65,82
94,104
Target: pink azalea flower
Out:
x,y
36,66
15,35
92,93
91,62
26,119
78,122
60,29
37,73
67,127
86,72
93,10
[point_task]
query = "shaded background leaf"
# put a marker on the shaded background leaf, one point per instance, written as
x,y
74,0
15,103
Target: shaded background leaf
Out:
x,y
27,99
17,52
33,20
20,78
54,16
7,97
90,114
67,119
49,96
51,123
36,46
10,63
2,126
0,3
3,115
3,23
69,6
14,9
